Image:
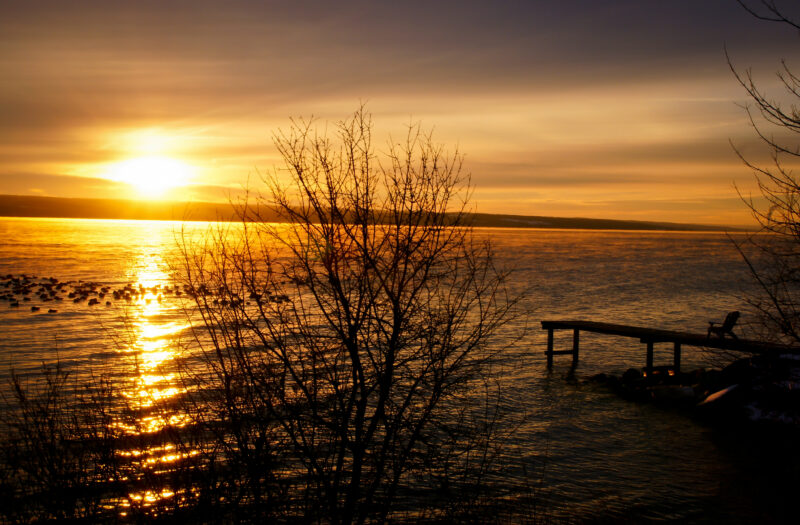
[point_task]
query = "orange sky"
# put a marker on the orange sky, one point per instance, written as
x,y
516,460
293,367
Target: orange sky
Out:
x,y
621,110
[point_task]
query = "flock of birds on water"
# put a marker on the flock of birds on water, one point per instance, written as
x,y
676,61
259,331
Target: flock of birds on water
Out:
x,y
20,289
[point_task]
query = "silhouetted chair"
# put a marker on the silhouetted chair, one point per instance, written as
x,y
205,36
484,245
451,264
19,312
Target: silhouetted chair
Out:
x,y
725,328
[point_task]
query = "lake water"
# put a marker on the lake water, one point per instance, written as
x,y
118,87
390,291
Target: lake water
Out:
x,y
597,457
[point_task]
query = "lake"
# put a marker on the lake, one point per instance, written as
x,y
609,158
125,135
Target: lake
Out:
x,y
591,455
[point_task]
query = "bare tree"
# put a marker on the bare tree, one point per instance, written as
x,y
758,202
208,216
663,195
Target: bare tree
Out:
x,y
350,346
768,10
773,254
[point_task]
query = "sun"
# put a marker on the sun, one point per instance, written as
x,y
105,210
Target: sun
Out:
x,y
152,176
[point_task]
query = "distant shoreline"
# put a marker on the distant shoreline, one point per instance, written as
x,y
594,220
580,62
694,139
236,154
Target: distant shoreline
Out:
x,y
24,206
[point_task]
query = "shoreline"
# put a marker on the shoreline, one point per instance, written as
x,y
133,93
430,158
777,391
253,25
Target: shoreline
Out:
x,y
21,206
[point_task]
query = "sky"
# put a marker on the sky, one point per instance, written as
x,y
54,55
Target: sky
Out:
x,y
576,108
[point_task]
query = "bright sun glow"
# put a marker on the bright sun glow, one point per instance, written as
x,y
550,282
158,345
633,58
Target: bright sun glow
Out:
x,y
152,176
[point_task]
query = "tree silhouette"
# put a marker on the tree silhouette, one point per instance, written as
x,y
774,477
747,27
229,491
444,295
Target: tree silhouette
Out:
x,y
773,255
350,344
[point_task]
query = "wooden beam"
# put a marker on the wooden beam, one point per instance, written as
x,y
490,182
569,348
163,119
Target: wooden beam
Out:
x,y
677,357
549,348
649,366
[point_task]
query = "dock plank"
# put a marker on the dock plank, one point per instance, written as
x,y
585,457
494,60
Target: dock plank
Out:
x,y
654,335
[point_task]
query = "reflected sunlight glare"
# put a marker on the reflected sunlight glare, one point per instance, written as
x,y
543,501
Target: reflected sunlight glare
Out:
x,y
154,329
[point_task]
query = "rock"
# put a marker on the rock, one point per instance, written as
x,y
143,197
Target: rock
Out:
x,y
631,375
672,393
740,371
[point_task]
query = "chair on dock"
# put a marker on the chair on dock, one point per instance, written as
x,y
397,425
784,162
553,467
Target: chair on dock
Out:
x,y
725,328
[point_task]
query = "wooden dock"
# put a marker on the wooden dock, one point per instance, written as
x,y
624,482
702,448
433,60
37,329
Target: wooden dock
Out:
x,y
650,337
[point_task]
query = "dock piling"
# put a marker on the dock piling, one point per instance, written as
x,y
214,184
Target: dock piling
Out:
x,y
575,344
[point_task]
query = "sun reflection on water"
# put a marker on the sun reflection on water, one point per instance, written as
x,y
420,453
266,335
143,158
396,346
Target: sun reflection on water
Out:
x,y
155,322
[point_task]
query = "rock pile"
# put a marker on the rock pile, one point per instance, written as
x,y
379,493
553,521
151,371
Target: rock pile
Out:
x,y
762,388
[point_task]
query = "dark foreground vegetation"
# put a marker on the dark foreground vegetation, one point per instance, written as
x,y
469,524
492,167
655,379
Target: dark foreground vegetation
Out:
x,y
81,452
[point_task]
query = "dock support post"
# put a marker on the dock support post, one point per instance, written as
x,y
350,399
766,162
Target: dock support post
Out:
x,y
549,348
677,354
649,366
575,341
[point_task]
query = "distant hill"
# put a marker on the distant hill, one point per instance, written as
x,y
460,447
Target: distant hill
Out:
x,y
579,223
30,206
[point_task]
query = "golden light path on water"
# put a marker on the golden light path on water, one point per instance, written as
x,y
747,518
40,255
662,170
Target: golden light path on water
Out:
x,y
151,351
